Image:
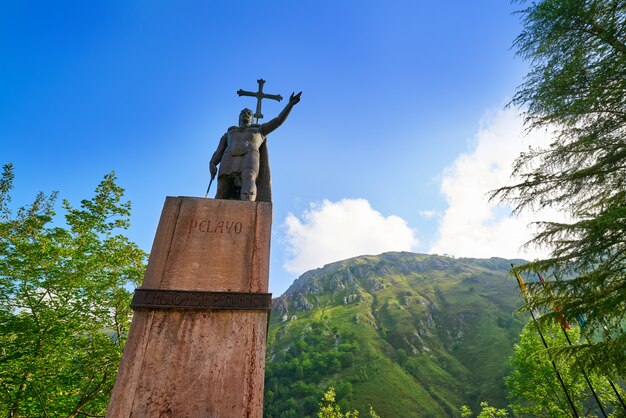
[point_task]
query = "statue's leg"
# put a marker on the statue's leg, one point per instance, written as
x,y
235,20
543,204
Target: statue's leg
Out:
x,y
224,187
249,175
248,188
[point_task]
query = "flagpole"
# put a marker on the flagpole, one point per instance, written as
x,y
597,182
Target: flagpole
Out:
x,y
522,287
595,395
616,391
581,323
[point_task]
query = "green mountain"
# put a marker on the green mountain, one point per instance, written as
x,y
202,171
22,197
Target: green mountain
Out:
x,y
412,335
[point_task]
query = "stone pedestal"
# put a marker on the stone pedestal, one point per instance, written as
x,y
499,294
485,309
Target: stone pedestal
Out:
x,y
188,357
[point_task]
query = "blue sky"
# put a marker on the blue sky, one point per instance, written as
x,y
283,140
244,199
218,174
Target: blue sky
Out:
x,y
400,102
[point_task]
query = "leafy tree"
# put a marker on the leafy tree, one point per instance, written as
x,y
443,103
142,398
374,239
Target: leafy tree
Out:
x,y
64,306
330,409
533,385
293,377
487,411
576,87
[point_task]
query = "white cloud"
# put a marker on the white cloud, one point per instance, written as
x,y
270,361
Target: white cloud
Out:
x,y
333,231
471,225
427,214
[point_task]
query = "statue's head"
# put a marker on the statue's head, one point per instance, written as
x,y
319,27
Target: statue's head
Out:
x,y
245,118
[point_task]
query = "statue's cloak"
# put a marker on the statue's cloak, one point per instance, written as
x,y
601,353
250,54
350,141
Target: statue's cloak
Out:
x,y
264,180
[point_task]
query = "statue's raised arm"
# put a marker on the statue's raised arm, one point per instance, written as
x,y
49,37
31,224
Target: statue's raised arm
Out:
x,y
270,126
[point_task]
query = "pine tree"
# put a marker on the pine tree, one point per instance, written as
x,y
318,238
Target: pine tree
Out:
x,y
576,87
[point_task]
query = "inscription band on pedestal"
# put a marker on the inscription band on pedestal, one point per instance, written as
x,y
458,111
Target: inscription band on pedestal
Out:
x,y
200,300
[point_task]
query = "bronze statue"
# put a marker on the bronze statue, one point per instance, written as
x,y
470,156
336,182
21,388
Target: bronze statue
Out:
x,y
242,154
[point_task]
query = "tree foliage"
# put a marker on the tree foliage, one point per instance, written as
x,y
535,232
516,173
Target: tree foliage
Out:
x,y
330,409
576,87
533,384
294,378
64,306
487,411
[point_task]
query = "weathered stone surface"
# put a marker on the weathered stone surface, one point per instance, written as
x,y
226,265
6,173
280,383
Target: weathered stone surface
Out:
x,y
206,244
199,363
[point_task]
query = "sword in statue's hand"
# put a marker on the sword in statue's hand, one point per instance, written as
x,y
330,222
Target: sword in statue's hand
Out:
x,y
209,188
213,171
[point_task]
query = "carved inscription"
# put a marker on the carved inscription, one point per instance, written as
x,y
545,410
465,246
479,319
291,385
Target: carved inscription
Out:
x,y
214,226
184,299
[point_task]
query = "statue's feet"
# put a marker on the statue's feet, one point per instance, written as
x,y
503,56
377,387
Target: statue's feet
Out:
x,y
250,197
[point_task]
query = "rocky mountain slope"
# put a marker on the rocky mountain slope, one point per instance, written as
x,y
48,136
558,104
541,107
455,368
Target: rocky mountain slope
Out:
x,y
412,335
